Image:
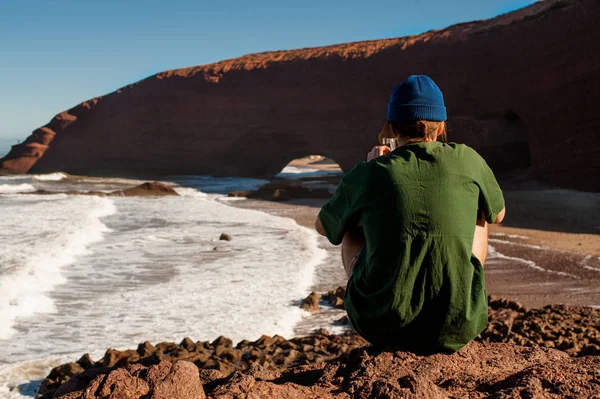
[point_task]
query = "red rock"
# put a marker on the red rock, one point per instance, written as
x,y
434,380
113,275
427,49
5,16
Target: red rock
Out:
x,y
149,189
58,376
182,382
225,237
311,302
478,370
521,88
145,349
161,381
574,329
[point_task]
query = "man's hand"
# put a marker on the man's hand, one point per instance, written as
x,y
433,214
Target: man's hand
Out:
x,y
378,151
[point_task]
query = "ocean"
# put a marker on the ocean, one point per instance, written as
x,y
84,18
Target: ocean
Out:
x,y
79,274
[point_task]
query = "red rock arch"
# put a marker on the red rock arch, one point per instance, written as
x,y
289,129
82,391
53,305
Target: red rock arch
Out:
x,y
249,115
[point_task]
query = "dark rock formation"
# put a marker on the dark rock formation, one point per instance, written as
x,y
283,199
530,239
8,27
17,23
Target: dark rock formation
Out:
x,y
225,237
274,353
311,302
149,189
521,88
335,297
477,369
282,191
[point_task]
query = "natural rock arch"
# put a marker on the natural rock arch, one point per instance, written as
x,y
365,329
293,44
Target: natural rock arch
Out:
x,y
322,164
247,116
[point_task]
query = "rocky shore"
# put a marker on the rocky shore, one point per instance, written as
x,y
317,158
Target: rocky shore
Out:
x,y
286,190
148,189
542,352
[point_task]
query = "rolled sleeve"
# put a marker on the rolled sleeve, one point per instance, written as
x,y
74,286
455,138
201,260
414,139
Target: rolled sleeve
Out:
x,y
342,211
491,199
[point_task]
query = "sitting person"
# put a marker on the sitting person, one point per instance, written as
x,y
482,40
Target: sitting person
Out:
x,y
412,224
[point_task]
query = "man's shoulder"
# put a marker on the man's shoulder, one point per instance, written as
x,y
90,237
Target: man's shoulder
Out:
x,y
463,151
461,147
357,175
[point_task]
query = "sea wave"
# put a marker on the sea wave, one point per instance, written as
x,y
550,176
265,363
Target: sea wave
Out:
x,y
50,177
297,170
41,237
16,188
160,274
21,380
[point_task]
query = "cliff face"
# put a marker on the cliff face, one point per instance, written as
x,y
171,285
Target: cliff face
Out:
x,y
521,88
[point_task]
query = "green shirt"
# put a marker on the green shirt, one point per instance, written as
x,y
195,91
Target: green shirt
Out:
x,y
416,283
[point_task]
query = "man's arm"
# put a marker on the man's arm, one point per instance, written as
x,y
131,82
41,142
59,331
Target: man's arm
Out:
x,y
343,209
319,226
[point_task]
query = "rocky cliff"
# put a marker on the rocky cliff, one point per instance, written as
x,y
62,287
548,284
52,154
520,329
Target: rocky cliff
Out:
x,y
521,88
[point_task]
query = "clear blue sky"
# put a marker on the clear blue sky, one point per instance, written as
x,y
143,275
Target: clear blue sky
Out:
x,y
55,54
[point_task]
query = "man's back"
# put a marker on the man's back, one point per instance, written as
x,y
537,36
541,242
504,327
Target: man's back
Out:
x,y
416,283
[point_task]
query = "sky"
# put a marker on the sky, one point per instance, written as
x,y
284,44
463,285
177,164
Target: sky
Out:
x,y
55,54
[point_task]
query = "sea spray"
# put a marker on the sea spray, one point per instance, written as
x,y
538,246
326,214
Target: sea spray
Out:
x,y
37,244
16,188
50,177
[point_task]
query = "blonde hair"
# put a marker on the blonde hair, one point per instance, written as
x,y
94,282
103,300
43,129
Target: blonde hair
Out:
x,y
415,131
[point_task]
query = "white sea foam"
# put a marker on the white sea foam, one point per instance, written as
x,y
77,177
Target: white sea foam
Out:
x,y
16,188
40,236
585,265
21,379
190,192
50,177
296,170
231,199
165,269
161,274
510,235
519,244
492,253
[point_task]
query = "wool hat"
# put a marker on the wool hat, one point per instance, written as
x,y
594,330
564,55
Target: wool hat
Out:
x,y
417,98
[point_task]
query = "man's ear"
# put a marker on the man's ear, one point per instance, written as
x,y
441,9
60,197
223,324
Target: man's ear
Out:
x,y
440,129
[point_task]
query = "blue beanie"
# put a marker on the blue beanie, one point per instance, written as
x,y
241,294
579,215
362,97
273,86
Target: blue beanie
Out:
x,y
417,98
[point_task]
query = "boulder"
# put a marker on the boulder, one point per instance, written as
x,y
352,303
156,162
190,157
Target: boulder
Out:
x,y
161,381
225,237
311,302
148,189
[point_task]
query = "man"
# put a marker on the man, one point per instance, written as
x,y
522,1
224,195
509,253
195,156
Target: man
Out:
x,y
412,223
